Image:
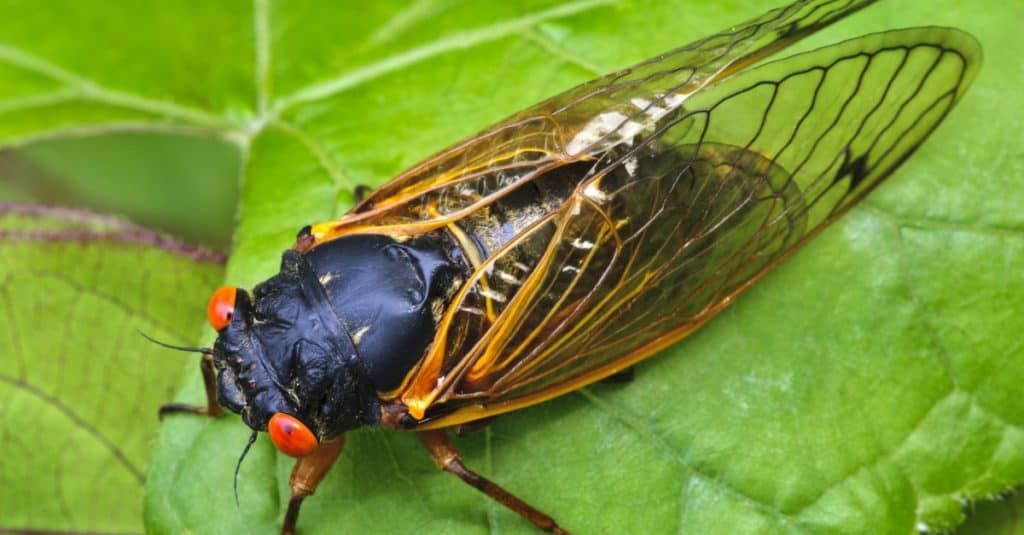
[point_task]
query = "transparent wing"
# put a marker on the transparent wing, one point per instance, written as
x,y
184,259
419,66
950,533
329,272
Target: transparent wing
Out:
x,y
666,231
575,124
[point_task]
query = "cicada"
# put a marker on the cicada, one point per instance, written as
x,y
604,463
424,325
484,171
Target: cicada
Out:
x,y
574,239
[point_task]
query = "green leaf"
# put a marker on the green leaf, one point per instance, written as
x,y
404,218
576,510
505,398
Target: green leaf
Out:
x,y
869,385
78,386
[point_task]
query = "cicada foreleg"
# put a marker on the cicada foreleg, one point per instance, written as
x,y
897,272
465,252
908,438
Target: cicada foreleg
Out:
x,y
449,460
213,407
306,476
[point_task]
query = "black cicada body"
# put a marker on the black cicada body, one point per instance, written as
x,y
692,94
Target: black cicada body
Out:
x,y
286,350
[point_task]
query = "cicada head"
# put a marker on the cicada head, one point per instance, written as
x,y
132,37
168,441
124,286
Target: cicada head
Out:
x,y
306,353
285,364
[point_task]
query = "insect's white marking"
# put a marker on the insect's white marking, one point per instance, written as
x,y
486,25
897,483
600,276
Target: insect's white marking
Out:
x,y
630,164
472,310
594,193
506,179
640,102
582,244
522,266
571,269
493,295
676,99
508,277
326,278
616,126
630,129
597,128
358,335
650,109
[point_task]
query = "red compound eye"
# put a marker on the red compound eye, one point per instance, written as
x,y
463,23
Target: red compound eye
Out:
x,y
291,436
221,307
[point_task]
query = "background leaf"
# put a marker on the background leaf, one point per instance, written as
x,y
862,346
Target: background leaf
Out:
x,y
183,185
78,386
869,385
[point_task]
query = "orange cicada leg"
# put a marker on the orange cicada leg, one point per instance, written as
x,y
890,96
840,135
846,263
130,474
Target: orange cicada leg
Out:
x,y
449,460
306,476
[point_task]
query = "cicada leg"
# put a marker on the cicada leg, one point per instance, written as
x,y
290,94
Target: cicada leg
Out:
x,y
449,460
306,476
212,408
360,192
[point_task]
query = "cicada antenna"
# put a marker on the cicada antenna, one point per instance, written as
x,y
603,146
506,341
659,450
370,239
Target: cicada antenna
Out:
x,y
203,350
252,439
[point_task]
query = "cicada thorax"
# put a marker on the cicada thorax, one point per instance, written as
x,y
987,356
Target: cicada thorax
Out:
x,y
388,295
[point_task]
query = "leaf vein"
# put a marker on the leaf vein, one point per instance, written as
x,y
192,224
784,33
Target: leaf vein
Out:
x,y
38,101
97,129
648,431
76,419
404,19
897,223
319,151
449,43
560,52
929,224
261,31
98,93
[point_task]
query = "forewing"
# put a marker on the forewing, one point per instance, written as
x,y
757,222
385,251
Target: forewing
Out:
x,y
575,124
666,233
